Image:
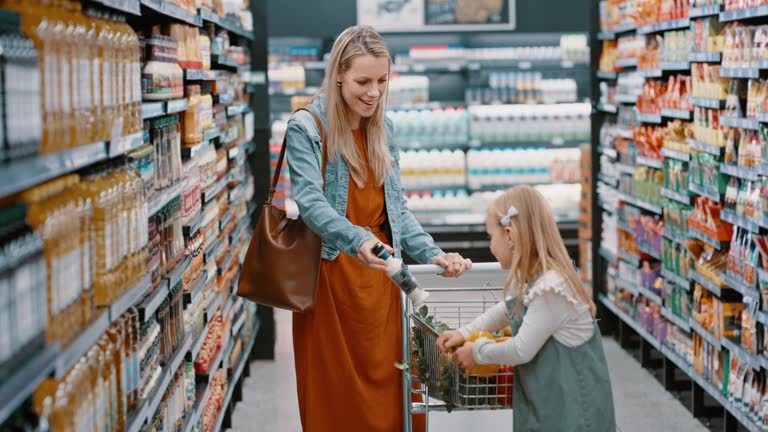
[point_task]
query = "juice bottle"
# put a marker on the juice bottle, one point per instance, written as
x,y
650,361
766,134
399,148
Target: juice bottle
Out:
x,y
63,54
107,54
82,62
193,127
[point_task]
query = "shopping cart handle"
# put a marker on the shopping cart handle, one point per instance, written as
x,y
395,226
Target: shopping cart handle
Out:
x,y
435,269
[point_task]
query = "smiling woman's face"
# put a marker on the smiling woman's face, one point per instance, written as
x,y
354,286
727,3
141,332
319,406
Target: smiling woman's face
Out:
x,y
364,85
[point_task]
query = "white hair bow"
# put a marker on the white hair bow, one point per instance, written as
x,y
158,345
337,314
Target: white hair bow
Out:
x,y
511,212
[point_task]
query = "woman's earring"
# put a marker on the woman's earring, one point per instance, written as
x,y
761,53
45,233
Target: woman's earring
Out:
x,y
338,84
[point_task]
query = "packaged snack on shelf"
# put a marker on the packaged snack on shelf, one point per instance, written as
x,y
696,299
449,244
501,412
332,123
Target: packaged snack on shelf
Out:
x,y
749,334
677,134
708,35
676,46
706,81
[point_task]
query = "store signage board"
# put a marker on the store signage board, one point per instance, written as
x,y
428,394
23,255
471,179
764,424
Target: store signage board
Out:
x,y
406,16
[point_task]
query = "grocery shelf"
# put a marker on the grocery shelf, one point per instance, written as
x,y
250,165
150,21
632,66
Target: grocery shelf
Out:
x,y
674,154
625,27
200,75
649,251
727,215
213,250
130,297
742,354
743,14
190,152
637,202
153,302
623,133
629,258
237,109
627,285
681,239
676,196
662,26
676,66
705,282
163,197
707,103
238,371
738,171
625,98
649,162
648,118
676,279
214,190
651,73
171,10
714,195
211,134
125,144
25,378
625,226
610,152
645,292
607,75
741,123
762,317
740,287
132,7
681,323
609,256
706,335
705,148
194,225
625,168
695,233
226,24
625,62
174,276
606,36
747,73
629,321
608,108
77,348
677,113
168,373
704,11
21,174
705,57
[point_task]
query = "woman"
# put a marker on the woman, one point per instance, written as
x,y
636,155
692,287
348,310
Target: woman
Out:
x,y
346,348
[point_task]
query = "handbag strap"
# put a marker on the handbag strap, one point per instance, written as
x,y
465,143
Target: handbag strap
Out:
x,y
279,167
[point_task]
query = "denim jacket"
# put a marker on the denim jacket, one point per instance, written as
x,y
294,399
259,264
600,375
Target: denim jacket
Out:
x,y
325,214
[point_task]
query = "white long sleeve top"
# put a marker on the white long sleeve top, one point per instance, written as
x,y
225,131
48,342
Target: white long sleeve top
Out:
x,y
554,310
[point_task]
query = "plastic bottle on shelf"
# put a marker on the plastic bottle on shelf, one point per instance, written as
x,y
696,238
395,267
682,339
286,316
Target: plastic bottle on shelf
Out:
x,y
193,125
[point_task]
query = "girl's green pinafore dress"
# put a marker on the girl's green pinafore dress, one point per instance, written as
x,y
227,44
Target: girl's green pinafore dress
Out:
x,y
563,389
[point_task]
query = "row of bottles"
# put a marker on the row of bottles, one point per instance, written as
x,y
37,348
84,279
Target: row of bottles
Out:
x,y
109,371
23,307
94,231
89,70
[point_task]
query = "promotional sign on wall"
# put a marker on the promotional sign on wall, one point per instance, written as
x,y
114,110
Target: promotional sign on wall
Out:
x,y
437,15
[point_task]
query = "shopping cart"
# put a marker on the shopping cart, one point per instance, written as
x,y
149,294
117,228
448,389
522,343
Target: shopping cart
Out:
x,y
452,302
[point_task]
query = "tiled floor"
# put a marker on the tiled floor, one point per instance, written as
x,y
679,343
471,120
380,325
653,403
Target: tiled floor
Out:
x,y
269,398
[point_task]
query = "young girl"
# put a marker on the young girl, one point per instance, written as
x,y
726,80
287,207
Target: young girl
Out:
x,y
561,377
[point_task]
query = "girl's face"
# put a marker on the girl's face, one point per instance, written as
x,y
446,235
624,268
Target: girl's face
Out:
x,y
501,241
363,86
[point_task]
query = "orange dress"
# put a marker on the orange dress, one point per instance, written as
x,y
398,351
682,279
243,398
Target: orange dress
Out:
x,y
345,350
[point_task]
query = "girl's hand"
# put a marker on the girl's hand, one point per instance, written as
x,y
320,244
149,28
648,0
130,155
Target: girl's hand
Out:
x,y
449,339
366,256
464,356
454,264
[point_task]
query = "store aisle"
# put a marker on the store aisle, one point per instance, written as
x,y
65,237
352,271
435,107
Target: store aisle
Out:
x,y
269,397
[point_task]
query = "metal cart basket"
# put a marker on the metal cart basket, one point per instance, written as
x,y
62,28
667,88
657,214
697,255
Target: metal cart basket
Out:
x,y
441,384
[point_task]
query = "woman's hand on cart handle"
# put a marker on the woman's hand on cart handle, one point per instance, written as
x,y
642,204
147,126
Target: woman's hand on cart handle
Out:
x,y
464,356
454,264
449,339
366,256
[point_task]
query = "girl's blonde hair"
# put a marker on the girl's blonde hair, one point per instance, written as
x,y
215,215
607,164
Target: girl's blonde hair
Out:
x,y
538,247
353,42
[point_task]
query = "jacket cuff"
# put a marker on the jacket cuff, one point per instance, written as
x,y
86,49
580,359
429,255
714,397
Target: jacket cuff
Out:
x,y
357,242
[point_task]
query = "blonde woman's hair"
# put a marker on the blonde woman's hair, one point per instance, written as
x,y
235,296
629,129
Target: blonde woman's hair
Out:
x,y
538,247
356,41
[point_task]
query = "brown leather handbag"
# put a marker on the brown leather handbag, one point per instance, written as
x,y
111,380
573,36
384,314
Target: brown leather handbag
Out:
x,y
282,265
